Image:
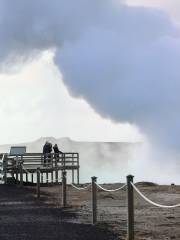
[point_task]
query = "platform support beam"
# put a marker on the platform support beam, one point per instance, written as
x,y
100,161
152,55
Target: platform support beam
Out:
x,y
38,183
21,174
64,181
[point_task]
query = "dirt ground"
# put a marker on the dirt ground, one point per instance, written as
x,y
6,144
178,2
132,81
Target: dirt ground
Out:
x,y
23,217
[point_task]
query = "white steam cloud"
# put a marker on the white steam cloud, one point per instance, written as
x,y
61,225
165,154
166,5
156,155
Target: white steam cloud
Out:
x,y
123,60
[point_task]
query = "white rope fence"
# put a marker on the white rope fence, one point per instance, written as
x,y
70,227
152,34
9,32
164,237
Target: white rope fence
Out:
x,y
129,187
151,202
110,190
81,188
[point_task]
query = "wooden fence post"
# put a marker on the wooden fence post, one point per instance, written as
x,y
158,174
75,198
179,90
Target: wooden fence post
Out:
x,y
64,181
130,199
38,183
94,200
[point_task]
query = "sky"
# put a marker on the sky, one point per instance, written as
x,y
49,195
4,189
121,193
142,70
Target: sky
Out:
x,y
36,102
172,7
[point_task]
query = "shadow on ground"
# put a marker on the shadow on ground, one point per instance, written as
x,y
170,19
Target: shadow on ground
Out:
x,y
24,218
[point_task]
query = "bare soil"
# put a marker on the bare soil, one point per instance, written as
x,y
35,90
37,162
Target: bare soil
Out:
x,y
23,217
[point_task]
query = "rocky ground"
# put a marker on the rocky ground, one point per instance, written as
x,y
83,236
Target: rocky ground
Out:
x,y
23,217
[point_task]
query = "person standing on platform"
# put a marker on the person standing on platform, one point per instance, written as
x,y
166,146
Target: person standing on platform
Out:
x,y
47,149
57,151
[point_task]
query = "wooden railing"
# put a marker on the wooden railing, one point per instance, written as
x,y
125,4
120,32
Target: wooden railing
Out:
x,y
29,162
33,159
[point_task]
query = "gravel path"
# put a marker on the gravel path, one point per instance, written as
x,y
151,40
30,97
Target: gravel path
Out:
x,y
24,218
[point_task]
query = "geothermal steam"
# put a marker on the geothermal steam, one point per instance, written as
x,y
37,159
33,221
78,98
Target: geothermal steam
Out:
x,y
123,60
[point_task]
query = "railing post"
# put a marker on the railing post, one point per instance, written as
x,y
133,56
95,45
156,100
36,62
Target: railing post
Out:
x,y
64,160
32,177
21,174
130,199
94,200
64,189
73,168
38,183
13,166
16,175
41,178
5,169
52,177
26,177
78,168
16,169
47,177
56,169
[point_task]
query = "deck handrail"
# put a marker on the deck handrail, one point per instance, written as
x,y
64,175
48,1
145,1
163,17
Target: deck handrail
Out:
x,y
42,154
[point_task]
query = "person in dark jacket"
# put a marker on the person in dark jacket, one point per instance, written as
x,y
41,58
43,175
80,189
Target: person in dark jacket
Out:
x,y
47,149
57,152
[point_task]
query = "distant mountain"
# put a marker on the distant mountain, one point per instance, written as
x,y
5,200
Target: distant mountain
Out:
x,y
110,161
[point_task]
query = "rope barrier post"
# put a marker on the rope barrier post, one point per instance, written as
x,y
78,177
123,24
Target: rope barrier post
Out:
x,y
38,183
64,188
94,200
130,199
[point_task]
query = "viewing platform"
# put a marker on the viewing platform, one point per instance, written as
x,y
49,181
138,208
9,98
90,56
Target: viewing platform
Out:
x,y
22,168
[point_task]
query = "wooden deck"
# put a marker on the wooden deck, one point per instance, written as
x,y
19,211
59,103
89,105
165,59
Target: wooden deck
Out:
x,y
19,167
